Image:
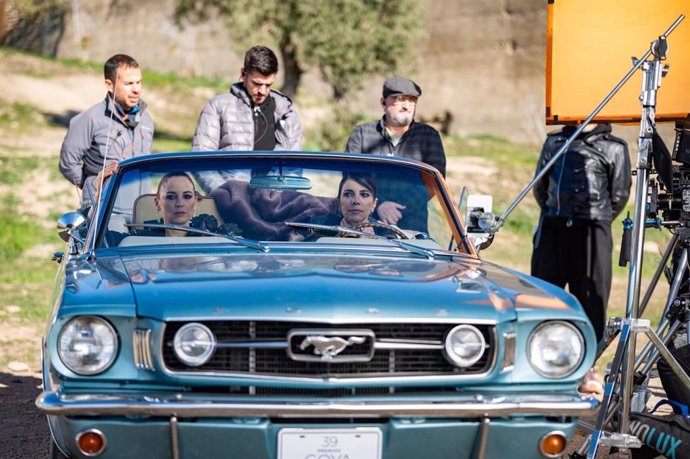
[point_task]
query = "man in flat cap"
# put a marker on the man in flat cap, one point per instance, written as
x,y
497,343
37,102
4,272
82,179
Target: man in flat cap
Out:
x,y
398,134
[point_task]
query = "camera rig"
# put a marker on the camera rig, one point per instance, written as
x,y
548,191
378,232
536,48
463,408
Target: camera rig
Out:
x,y
668,195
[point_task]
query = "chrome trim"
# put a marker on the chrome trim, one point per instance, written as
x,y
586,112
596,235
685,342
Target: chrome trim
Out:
x,y
543,438
141,349
509,350
450,320
446,378
252,355
329,352
383,344
97,432
254,344
182,405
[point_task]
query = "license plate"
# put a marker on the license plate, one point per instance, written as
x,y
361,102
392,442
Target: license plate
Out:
x,y
356,443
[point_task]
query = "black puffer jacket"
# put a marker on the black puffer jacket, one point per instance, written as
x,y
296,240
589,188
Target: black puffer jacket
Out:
x,y
591,181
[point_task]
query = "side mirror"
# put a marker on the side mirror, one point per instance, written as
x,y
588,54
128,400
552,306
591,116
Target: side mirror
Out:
x,y
479,220
67,225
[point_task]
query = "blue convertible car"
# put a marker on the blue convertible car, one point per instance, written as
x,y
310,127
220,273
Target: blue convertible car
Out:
x,y
300,306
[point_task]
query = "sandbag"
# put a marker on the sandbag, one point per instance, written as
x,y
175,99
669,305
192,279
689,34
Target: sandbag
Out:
x,y
665,436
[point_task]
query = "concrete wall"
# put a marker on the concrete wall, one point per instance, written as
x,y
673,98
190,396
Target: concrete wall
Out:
x,y
480,60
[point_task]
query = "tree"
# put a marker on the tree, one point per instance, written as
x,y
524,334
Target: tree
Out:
x,y
347,40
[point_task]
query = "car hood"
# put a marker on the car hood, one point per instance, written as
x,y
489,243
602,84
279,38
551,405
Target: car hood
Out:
x,y
333,288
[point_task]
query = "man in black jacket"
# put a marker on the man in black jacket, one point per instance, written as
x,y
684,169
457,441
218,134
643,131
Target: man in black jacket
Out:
x,y
579,198
398,134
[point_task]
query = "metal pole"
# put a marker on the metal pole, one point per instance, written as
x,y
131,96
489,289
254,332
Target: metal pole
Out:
x,y
651,81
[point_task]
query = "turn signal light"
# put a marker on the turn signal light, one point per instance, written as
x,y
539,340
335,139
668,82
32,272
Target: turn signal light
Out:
x,y
552,445
91,442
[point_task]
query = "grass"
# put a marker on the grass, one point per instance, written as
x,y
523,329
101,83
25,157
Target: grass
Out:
x,y
152,79
496,149
18,117
26,281
13,170
156,79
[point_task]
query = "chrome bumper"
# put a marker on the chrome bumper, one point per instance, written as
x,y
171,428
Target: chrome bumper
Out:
x,y
181,405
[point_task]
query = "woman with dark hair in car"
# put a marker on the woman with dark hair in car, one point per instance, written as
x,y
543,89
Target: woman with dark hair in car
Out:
x,y
355,203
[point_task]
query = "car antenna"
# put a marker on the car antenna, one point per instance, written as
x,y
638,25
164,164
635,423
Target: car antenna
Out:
x,y
99,186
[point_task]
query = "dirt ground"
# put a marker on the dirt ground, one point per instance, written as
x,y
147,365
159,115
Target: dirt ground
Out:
x,y
24,431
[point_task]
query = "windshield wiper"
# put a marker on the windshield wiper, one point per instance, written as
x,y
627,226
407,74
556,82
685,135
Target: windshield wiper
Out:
x,y
353,232
239,239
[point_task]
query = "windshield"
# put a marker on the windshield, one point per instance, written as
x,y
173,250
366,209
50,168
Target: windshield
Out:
x,y
290,198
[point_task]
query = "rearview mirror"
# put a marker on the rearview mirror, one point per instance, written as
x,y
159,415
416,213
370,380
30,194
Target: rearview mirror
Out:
x,y
280,181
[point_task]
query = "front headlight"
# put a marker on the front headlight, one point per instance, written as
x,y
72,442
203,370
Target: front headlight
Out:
x,y
194,344
555,349
464,345
87,345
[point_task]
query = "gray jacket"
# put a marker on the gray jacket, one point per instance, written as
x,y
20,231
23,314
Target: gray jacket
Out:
x,y
227,123
84,150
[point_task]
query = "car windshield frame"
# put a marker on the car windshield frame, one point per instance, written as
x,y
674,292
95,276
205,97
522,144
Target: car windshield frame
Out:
x,y
291,165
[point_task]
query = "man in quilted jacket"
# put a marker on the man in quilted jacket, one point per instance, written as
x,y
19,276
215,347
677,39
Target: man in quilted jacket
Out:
x,y
251,116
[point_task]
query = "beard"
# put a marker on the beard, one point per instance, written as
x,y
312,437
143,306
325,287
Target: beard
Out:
x,y
401,119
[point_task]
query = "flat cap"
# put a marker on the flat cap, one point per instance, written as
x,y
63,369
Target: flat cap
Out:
x,y
399,86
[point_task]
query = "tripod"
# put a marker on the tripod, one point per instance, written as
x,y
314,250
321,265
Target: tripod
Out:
x,y
673,321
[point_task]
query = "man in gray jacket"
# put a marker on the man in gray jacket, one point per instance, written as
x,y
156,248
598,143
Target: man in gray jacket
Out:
x,y
119,127
252,116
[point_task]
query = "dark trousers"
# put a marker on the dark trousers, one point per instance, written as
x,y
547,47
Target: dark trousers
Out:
x,y
577,253
673,386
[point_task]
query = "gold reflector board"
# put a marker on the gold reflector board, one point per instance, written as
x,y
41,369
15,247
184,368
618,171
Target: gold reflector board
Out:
x,y
589,48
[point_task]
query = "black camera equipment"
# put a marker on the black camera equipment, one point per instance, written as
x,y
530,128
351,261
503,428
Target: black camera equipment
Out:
x,y
672,198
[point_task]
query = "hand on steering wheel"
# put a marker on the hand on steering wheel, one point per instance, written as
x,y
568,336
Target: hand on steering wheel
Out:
x,y
392,228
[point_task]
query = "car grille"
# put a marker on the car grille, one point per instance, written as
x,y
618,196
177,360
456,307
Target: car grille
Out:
x,y
260,348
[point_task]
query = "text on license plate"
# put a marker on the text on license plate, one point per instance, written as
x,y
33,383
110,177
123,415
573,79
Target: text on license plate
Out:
x,y
355,443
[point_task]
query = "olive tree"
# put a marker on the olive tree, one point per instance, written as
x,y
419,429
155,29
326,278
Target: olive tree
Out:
x,y
347,40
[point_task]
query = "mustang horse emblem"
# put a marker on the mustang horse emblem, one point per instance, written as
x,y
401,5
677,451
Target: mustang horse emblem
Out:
x,y
329,346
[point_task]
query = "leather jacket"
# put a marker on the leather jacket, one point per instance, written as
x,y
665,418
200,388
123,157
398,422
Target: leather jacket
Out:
x,y
591,181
